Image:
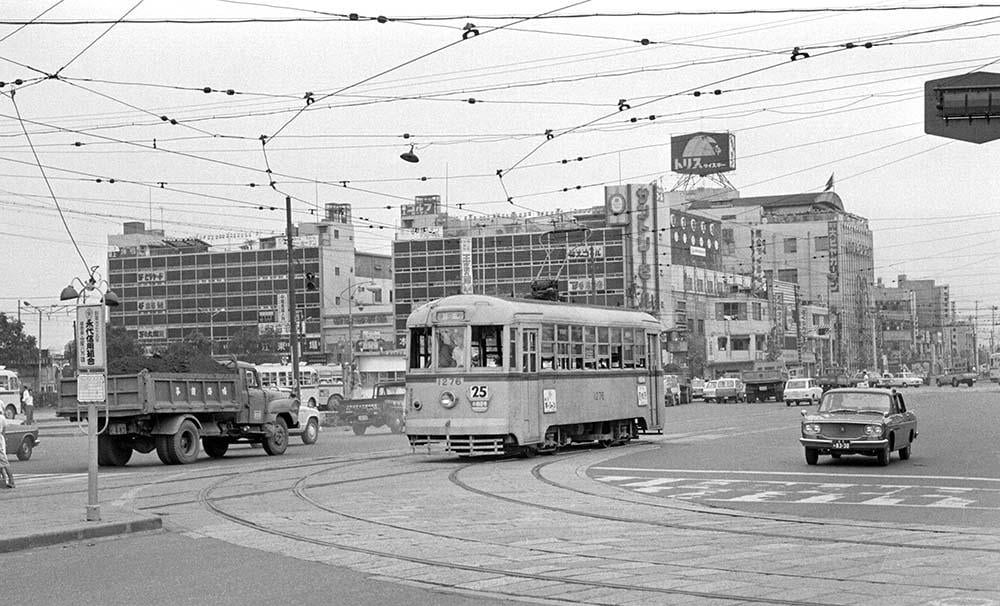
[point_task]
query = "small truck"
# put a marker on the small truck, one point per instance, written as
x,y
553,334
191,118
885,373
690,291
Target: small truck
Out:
x,y
173,413
385,407
956,377
765,380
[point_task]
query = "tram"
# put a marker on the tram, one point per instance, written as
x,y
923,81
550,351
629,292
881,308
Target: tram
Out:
x,y
488,376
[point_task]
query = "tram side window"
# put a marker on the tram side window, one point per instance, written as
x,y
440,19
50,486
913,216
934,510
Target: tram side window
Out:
x,y
548,346
576,340
420,347
628,348
486,351
562,346
590,347
640,348
603,347
616,348
512,349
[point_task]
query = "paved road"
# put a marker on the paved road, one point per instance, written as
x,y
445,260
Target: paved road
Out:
x,y
747,457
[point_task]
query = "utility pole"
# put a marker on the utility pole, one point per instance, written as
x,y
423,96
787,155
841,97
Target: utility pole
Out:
x,y
293,340
993,322
975,342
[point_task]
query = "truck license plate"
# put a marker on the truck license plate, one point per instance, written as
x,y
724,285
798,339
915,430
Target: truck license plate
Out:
x,y
762,388
362,417
841,444
117,429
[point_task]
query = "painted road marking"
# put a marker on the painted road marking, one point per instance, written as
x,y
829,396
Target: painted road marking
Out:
x,y
47,478
754,490
732,472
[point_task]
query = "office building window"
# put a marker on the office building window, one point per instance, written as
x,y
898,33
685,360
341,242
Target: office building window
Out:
x,y
791,245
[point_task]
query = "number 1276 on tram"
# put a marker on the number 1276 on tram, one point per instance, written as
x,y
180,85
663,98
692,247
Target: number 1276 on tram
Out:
x,y
488,376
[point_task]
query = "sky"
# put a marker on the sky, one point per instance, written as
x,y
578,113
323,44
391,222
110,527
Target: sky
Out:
x,y
111,121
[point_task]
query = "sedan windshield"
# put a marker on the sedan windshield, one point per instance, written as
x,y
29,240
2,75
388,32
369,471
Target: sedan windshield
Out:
x,y
855,402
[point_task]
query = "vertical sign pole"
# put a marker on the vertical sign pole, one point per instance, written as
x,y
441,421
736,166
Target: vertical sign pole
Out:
x,y
92,355
293,341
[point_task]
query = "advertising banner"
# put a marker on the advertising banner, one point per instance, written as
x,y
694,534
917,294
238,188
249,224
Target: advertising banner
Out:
x,y
834,255
702,153
465,249
616,204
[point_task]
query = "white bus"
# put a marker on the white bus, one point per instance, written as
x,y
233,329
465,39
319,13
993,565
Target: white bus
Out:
x,y
280,375
10,393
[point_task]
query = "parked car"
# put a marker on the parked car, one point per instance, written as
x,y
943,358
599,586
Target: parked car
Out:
x,y
887,380
871,422
729,389
805,390
697,388
708,391
909,379
21,440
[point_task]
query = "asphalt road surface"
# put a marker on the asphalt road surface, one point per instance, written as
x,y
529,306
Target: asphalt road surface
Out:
x,y
747,457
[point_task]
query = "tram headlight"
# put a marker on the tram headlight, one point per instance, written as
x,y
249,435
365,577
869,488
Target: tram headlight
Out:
x,y
417,405
448,399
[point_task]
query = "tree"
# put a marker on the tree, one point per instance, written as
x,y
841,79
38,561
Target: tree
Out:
x,y
18,351
251,346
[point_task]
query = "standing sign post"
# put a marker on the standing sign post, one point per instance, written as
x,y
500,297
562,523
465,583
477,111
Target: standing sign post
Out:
x,y
91,387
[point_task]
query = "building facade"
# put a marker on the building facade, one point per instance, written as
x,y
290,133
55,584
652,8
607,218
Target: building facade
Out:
x,y
171,287
933,304
896,329
811,241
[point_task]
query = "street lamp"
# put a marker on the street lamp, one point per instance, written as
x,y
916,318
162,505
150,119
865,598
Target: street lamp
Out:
x,y
92,369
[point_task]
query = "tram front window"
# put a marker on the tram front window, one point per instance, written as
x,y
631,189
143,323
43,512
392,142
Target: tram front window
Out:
x,y
450,346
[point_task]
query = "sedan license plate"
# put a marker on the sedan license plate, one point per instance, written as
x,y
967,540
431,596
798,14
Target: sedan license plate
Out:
x,y
362,417
841,444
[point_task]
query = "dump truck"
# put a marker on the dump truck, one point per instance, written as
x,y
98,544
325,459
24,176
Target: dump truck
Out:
x,y
173,413
765,380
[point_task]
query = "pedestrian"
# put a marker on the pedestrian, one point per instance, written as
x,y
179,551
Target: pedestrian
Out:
x,y
28,405
6,475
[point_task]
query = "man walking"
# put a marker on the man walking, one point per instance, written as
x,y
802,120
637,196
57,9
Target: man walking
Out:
x,y
6,475
28,405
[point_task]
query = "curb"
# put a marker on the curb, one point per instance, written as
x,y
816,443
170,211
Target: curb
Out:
x,y
79,533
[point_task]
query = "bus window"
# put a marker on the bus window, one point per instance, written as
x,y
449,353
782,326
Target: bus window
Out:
x,y
450,340
486,351
420,347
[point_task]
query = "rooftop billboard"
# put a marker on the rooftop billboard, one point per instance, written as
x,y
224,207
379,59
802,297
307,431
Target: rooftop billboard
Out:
x,y
703,153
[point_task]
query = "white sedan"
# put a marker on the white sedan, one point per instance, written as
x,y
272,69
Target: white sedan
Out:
x,y
908,379
802,390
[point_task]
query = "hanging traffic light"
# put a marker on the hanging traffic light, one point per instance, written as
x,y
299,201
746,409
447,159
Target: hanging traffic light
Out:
x,y
311,281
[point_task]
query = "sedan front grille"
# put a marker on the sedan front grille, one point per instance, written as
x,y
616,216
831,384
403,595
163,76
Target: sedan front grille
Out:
x,y
841,431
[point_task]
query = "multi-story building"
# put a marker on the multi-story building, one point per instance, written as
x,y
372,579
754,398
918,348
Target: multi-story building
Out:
x,y
933,303
896,327
170,287
809,240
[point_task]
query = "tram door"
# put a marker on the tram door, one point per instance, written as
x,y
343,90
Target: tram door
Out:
x,y
528,390
654,380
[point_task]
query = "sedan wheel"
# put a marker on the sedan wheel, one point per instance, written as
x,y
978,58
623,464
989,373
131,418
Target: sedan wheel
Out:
x,y
883,456
812,456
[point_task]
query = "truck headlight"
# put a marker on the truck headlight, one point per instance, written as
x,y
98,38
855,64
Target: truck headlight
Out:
x,y
874,431
447,399
810,428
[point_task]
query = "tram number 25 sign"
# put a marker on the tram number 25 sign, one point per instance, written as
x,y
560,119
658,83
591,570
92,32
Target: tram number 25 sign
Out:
x,y
90,335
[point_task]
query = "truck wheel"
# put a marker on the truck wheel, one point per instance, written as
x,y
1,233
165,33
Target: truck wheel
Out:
x,y
27,446
10,412
359,429
311,432
395,424
812,456
333,403
180,448
277,442
112,452
215,447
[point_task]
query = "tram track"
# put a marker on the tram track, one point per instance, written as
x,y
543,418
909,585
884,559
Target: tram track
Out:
x,y
303,488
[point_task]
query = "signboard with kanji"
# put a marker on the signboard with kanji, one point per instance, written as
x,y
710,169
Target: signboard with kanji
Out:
x,y
90,331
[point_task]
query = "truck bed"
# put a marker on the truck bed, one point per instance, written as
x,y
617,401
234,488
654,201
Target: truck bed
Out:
x,y
148,393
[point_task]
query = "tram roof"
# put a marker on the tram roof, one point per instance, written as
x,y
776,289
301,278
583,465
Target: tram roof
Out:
x,y
500,309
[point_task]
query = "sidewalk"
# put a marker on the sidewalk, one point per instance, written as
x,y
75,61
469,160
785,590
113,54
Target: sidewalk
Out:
x,y
35,516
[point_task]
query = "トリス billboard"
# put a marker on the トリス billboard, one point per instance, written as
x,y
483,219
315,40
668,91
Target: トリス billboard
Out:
x,y
703,153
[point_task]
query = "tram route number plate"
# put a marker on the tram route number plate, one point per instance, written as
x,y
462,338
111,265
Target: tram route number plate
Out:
x,y
841,444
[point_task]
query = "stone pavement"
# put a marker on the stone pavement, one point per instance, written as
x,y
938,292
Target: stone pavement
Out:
x,y
37,516
500,529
